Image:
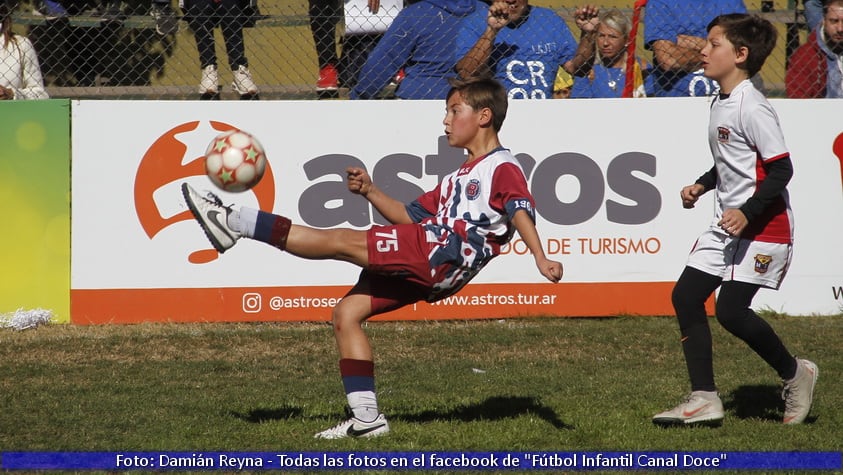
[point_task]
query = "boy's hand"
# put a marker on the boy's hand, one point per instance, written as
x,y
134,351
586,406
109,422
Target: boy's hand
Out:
x,y
690,194
359,181
552,270
733,221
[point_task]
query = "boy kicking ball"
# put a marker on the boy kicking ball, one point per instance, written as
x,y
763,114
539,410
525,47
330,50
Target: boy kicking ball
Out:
x,y
749,243
434,247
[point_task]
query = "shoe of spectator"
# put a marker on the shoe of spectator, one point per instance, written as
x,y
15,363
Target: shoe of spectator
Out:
x,y
166,22
209,85
243,83
328,78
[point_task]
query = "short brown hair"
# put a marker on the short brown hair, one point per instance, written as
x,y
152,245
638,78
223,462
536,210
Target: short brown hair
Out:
x,y
752,32
482,92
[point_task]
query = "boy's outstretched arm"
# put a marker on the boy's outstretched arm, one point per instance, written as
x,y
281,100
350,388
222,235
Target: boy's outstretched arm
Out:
x,y
522,221
359,182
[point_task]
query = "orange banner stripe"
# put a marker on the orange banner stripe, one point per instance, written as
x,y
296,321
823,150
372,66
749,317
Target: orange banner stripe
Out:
x,y
477,301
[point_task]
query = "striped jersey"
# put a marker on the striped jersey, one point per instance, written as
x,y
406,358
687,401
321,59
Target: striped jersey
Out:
x,y
744,134
467,216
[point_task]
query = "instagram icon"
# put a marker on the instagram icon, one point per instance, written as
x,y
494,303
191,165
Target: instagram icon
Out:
x,y
251,303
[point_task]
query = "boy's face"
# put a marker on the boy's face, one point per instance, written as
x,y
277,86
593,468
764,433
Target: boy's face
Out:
x,y
719,55
461,121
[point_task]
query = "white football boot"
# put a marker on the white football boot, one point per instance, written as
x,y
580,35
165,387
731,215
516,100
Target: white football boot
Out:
x,y
212,217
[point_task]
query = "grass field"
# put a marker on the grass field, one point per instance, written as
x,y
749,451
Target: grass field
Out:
x,y
521,384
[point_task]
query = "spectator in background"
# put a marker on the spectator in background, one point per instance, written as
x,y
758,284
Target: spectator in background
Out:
x,y
816,68
523,45
325,15
675,31
232,16
563,84
421,42
608,75
20,74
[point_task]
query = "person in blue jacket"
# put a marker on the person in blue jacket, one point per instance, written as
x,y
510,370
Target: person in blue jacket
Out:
x,y
420,41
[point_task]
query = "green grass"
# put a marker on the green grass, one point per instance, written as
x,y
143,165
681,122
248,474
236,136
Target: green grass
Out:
x,y
522,384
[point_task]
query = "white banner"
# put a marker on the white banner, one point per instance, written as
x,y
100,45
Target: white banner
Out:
x,y
606,175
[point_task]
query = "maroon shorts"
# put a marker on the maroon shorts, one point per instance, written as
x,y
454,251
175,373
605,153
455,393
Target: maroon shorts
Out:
x,y
399,267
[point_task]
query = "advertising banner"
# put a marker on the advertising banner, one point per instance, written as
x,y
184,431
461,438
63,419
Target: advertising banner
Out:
x,y
606,176
35,237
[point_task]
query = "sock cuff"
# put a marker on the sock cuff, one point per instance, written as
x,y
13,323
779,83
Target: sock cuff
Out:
x,y
248,221
352,367
272,229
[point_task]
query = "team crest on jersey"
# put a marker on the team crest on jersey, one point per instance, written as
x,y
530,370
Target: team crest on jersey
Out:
x,y
762,263
472,189
723,134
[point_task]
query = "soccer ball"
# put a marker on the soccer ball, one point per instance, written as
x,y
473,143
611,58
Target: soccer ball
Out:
x,y
235,161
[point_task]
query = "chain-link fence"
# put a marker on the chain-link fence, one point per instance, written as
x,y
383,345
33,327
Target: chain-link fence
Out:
x,y
290,49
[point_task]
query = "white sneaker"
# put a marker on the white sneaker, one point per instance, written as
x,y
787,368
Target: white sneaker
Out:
x,y
354,427
212,217
210,83
243,83
798,393
695,409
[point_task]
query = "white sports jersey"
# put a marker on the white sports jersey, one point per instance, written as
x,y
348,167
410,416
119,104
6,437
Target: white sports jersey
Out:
x,y
744,134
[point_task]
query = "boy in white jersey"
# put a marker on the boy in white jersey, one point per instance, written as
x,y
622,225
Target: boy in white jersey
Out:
x,y
749,242
435,245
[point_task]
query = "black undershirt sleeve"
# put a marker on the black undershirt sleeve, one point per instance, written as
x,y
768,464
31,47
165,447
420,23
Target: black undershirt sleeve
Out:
x,y
779,173
708,179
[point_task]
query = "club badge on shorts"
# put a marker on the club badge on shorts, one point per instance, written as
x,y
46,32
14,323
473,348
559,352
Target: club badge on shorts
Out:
x,y
762,263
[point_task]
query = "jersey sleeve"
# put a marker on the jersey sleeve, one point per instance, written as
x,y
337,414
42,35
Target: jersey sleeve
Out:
x,y
764,132
510,192
425,206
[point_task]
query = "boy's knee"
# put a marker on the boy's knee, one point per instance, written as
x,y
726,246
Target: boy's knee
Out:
x,y
343,319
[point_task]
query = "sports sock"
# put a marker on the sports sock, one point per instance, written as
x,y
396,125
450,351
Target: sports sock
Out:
x,y
265,227
247,219
358,379
708,395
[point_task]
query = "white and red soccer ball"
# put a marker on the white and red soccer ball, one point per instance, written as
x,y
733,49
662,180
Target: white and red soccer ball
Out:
x,y
235,161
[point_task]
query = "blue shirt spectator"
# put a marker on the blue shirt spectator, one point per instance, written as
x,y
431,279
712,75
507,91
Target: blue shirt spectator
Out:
x,y
675,30
527,52
421,40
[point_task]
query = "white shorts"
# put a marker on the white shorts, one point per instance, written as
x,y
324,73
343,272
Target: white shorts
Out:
x,y
742,260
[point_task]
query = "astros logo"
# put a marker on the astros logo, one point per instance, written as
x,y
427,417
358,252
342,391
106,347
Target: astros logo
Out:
x,y
167,161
